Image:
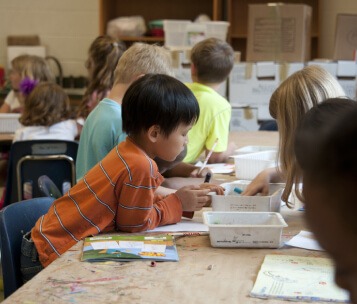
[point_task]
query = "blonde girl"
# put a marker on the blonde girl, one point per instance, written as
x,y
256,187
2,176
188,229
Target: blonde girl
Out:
x,y
288,104
24,67
103,56
46,115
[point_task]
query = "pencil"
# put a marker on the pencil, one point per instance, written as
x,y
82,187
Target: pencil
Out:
x,y
208,156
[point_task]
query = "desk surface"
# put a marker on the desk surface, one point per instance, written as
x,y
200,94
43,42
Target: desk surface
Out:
x,y
6,137
187,281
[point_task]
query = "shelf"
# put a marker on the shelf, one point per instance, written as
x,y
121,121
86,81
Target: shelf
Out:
x,y
142,38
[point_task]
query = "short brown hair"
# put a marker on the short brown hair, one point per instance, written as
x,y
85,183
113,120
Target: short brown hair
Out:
x,y
46,105
213,59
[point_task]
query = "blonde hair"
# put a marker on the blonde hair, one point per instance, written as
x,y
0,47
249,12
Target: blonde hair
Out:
x,y
33,67
288,104
140,59
103,55
46,105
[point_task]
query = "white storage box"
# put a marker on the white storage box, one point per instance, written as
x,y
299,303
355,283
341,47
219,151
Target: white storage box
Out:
x,y
254,149
175,32
247,166
244,229
181,33
232,201
9,122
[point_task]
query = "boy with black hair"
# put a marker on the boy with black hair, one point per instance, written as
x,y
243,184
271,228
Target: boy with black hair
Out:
x,y
119,192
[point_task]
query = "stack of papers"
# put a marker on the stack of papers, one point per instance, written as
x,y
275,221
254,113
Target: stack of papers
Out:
x,y
298,279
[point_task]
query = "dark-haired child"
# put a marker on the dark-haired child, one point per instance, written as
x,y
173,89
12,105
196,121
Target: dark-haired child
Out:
x,y
118,194
326,151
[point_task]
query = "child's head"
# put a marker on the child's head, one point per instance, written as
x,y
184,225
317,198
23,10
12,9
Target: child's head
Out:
x,y
212,61
290,101
141,59
103,56
46,105
29,66
326,149
164,107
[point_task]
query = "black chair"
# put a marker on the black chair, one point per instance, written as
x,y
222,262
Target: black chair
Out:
x,y
28,160
268,125
15,221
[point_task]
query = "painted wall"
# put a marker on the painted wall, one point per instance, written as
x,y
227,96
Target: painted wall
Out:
x,y
65,27
328,12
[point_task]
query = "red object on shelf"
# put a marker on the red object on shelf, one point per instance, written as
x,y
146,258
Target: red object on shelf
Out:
x,y
157,32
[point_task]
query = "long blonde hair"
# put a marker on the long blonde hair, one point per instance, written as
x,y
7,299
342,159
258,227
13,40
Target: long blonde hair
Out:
x,y
33,67
288,104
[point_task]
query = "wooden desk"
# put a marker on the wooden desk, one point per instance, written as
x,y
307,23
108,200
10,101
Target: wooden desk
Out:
x,y
187,281
6,138
254,138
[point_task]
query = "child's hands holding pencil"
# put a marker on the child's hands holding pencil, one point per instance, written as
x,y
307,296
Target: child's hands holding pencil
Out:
x,y
196,172
213,188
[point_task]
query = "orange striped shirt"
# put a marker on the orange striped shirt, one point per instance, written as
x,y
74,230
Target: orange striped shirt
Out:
x,y
117,194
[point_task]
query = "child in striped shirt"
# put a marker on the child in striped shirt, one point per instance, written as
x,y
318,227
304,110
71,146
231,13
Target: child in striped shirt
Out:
x,y
118,194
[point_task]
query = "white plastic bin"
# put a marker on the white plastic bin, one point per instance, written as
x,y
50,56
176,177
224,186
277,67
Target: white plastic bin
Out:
x,y
247,166
254,149
9,122
231,201
175,32
244,229
217,29
179,33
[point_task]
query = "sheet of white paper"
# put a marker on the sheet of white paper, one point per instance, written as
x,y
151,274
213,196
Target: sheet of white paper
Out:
x,y
185,225
131,244
154,248
304,239
219,168
303,279
105,245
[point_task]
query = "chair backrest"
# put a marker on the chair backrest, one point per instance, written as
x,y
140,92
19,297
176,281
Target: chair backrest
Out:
x,y
15,221
30,159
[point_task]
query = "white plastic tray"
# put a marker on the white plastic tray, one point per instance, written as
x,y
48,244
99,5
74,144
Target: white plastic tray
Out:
x,y
9,122
231,201
244,229
247,166
254,149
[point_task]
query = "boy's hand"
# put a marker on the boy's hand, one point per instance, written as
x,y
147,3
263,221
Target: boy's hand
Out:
x,y
193,198
203,173
213,188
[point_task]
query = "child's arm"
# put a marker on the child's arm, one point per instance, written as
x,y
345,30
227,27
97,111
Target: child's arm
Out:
x,y
221,157
186,170
260,184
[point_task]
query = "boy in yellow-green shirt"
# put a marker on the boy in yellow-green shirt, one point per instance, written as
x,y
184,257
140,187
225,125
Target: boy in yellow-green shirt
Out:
x,y
211,62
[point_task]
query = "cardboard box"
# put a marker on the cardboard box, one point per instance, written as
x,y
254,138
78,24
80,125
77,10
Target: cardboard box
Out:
x,y
184,74
253,84
345,37
244,119
279,32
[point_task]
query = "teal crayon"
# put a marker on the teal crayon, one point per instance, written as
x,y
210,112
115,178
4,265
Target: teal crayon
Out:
x,y
237,190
